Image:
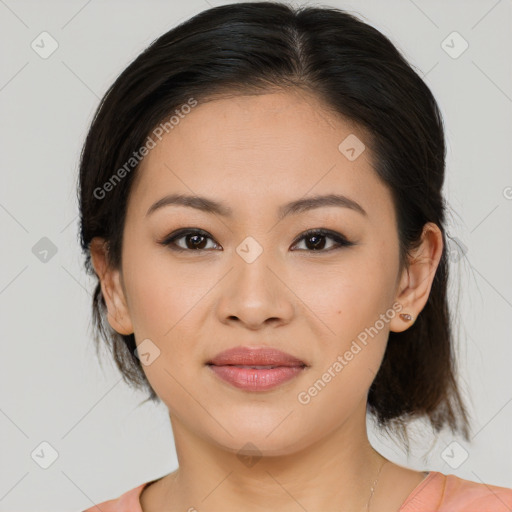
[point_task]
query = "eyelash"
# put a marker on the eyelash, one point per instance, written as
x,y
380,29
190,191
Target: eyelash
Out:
x,y
338,238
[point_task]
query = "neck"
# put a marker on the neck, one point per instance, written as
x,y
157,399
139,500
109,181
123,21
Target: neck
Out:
x,y
334,473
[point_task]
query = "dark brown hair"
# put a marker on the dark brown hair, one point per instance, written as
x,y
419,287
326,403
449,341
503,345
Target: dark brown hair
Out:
x,y
358,74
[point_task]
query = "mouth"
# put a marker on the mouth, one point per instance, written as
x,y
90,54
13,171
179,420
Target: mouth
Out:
x,y
257,357
255,369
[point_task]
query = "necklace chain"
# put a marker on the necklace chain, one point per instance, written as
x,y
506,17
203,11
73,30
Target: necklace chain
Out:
x,y
372,488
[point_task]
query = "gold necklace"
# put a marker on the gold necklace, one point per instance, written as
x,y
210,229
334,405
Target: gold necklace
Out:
x,y
372,488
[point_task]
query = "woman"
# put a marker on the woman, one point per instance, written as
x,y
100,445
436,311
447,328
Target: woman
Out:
x,y
261,202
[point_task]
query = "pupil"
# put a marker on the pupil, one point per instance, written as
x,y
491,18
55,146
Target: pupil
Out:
x,y
317,244
195,237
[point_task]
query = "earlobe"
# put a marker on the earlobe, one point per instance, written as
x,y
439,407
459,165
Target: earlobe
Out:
x,y
417,279
111,288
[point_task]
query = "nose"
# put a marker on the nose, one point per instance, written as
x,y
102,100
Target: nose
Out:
x,y
255,294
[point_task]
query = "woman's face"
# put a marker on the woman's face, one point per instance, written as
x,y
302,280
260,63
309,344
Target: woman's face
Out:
x,y
252,281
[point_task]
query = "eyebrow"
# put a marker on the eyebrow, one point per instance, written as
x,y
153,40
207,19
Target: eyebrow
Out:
x,y
292,208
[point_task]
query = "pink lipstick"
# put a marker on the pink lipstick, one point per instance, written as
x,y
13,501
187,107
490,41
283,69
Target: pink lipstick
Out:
x,y
256,369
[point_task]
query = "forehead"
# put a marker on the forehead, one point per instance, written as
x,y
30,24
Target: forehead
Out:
x,y
254,149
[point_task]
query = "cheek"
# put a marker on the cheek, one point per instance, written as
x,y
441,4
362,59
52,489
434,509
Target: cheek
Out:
x,y
353,302
348,296
164,302
160,293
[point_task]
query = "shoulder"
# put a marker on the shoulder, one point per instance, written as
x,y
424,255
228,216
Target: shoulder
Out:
x,y
129,501
475,496
450,493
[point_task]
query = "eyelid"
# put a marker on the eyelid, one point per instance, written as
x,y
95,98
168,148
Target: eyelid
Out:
x,y
341,240
168,241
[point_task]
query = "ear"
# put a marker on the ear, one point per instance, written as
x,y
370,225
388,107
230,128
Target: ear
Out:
x,y
111,288
416,281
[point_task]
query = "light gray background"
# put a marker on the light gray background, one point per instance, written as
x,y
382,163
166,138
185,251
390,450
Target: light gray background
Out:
x,y
52,387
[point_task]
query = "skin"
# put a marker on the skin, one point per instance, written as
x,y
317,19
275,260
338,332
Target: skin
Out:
x,y
254,153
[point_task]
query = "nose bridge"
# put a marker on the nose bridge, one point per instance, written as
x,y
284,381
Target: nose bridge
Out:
x,y
254,291
253,265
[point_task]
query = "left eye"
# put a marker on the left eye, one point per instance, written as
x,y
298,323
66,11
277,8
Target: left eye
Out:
x,y
319,235
313,238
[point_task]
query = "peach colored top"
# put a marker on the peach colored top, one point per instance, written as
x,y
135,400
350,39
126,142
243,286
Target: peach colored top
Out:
x,y
436,493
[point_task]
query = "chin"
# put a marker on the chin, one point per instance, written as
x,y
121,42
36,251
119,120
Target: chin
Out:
x,y
267,436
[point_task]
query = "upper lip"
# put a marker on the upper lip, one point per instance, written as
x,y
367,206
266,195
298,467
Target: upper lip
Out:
x,y
253,356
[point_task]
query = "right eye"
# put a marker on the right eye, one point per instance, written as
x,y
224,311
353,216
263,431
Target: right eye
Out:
x,y
194,240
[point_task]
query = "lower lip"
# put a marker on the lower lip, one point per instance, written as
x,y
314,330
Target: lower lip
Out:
x,y
252,379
